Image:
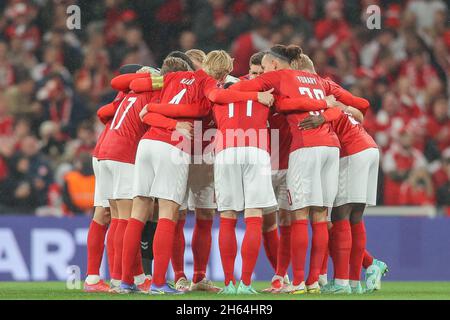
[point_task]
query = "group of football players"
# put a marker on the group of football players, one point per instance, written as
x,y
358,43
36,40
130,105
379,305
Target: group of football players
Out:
x,y
280,145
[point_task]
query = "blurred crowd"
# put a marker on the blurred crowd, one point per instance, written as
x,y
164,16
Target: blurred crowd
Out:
x,y
53,79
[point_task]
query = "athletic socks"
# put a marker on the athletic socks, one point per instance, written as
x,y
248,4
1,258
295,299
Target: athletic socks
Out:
x,y
228,247
284,251
324,268
250,247
110,246
118,248
368,259
319,246
299,246
130,253
201,247
271,242
341,247
95,247
147,246
357,252
162,249
178,250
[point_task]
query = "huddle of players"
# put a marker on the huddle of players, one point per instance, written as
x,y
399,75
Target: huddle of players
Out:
x,y
149,156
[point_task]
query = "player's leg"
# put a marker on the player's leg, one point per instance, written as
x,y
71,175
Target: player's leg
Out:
x,y
258,194
323,277
179,245
115,276
132,272
299,247
284,247
270,237
319,246
201,248
147,241
95,249
228,248
358,246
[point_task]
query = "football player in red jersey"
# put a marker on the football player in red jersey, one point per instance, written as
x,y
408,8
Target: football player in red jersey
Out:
x,y
358,175
313,169
102,214
116,163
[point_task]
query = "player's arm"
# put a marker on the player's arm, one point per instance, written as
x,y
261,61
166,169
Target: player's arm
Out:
x,y
299,104
107,112
145,84
123,81
159,120
263,82
194,110
315,121
346,97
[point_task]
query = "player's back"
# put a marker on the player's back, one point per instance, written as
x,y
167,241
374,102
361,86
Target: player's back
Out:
x,y
241,124
295,84
126,129
352,135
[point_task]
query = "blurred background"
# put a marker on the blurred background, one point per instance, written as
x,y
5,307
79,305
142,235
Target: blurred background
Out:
x,y
53,79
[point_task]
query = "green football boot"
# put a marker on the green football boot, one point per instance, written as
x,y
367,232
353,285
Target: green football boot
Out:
x,y
243,289
357,289
228,289
374,273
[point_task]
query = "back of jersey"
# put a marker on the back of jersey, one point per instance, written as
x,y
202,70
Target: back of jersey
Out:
x,y
241,124
126,129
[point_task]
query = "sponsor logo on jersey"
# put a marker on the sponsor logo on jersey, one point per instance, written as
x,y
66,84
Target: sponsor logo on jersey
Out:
x,y
187,81
307,80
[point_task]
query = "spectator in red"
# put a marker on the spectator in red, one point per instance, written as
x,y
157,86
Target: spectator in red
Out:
x,y
333,29
246,45
398,162
6,121
417,190
438,128
6,68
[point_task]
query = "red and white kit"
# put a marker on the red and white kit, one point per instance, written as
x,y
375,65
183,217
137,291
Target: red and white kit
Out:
x,y
242,169
163,154
118,151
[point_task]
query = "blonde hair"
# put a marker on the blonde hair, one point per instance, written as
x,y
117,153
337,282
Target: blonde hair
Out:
x,y
196,54
218,64
303,63
173,64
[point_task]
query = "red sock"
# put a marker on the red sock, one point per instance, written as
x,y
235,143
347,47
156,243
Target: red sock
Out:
x,y
299,246
319,247
270,240
131,246
118,248
138,267
250,247
110,245
284,251
95,247
341,247
368,259
324,268
357,252
201,247
162,249
228,247
178,250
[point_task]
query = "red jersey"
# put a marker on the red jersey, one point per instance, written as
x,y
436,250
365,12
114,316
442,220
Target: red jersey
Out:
x,y
352,135
119,97
241,124
183,87
295,84
279,155
126,129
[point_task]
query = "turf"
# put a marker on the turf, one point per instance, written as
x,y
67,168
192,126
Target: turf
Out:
x,y
390,291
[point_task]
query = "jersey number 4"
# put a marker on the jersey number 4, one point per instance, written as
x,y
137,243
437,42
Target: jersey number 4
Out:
x,y
131,101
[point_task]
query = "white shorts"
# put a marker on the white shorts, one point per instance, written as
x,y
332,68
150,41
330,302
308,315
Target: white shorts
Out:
x,y
116,179
243,180
312,177
280,189
200,188
98,201
358,177
161,171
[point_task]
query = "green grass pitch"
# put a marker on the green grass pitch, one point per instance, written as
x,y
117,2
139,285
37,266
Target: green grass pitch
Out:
x,y
389,291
